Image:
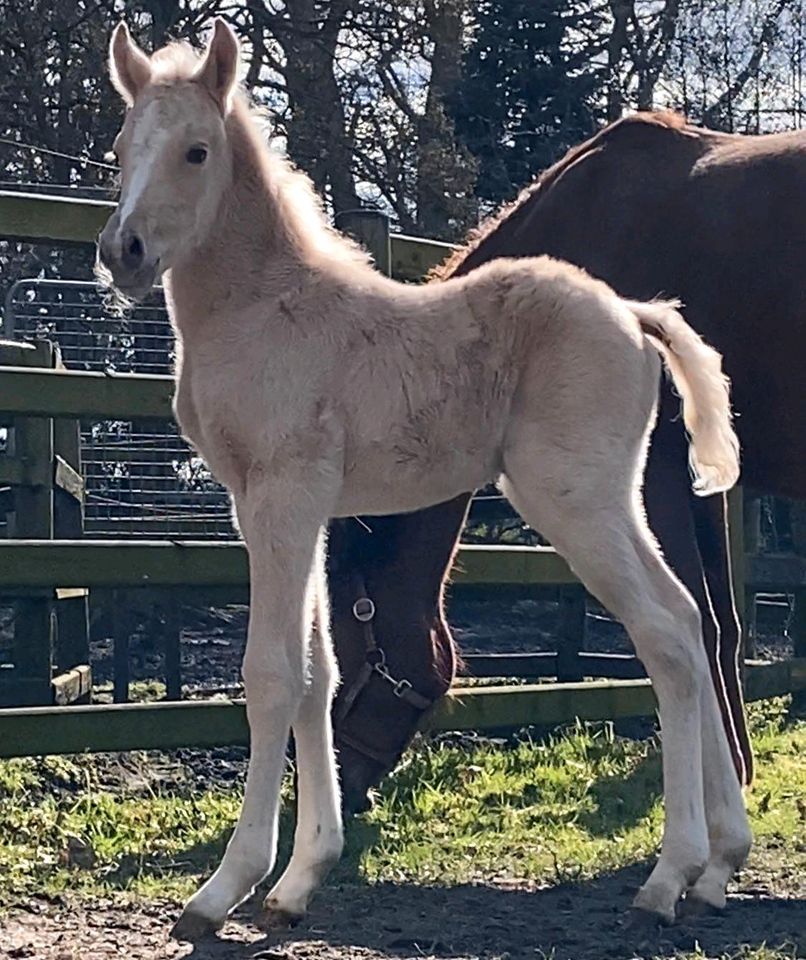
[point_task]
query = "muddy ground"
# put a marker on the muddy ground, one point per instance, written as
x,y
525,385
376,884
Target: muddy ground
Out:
x,y
500,921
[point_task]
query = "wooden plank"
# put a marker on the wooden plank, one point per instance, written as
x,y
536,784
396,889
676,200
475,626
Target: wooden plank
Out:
x,y
370,228
31,441
121,632
797,631
45,219
115,563
135,726
24,692
80,393
173,649
571,633
210,723
491,708
533,666
770,573
17,353
413,257
68,479
72,686
737,549
56,593
71,593
478,564
12,470
72,612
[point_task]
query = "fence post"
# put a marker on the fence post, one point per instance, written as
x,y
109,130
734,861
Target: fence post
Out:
x,y
173,648
742,591
121,631
572,603
370,228
73,647
31,447
797,630
745,593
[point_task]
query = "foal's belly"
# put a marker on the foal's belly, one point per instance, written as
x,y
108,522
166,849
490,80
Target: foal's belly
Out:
x,y
379,484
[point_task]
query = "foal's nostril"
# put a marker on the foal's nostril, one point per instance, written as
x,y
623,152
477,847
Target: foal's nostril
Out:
x,y
132,252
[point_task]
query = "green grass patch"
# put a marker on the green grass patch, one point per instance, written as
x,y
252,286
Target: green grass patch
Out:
x,y
582,802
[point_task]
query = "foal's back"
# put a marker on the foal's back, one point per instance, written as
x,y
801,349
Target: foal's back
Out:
x,y
432,377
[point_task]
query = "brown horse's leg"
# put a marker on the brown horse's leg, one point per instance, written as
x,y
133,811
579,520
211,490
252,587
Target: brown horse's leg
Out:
x,y
710,521
669,510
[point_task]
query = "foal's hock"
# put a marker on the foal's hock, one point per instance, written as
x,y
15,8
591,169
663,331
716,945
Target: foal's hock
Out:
x,y
315,387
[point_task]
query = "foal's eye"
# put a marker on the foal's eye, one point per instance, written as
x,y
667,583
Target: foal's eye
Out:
x,y
196,155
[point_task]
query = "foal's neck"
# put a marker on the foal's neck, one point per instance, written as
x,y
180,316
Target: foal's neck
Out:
x,y
270,234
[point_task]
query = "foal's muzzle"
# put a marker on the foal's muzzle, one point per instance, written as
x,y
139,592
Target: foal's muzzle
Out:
x,y
124,256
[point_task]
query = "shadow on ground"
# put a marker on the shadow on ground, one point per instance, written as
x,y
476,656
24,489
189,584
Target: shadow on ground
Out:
x,y
576,921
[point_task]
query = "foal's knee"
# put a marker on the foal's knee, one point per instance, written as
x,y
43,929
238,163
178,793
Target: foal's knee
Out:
x,y
271,682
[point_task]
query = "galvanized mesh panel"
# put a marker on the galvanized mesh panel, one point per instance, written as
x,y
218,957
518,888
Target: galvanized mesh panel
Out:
x,y
143,480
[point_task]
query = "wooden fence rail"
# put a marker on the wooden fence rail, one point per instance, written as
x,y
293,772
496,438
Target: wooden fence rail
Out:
x,y
37,218
216,723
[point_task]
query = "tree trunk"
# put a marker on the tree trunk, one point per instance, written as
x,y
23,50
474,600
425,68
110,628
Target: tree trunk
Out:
x,y
436,146
317,136
621,10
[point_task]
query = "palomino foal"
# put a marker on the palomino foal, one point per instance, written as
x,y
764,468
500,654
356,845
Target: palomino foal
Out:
x,y
315,388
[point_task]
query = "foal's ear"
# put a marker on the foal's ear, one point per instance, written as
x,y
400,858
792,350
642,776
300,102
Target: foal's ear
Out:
x,y
219,68
129,67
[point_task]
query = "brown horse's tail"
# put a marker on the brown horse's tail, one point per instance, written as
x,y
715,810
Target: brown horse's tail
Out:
x,y
697,372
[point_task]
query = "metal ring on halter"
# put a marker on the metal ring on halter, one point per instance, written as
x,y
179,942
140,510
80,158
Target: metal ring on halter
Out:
x,y
364,609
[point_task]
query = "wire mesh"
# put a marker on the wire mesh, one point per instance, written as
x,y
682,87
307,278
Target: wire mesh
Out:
x,y
142,480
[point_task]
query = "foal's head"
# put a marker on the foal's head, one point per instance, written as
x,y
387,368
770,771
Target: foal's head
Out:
x,y
173,153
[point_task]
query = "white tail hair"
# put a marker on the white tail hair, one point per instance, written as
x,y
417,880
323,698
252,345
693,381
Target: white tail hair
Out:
x,y
697,373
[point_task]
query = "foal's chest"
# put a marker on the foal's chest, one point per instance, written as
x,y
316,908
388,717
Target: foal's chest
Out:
x,y
214,418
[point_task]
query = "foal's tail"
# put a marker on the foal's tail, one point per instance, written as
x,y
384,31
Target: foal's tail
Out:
x,y
696,370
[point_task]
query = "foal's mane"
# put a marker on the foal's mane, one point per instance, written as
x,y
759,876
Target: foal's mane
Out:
x,y
532,193
298,209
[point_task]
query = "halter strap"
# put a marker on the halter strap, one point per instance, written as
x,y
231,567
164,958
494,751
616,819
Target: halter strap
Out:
x,y
374,666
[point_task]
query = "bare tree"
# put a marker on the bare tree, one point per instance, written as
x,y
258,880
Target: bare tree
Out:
x,y
638,50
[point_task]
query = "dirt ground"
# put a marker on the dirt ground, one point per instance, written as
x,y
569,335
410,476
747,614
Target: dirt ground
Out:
x,y
569,921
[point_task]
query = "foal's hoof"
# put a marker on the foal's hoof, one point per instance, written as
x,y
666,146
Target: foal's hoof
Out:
x,y
650,908
276,917
693,906
644,923
193,927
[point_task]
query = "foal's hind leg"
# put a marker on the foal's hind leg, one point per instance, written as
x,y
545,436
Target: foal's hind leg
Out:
x,y
585,504
318,838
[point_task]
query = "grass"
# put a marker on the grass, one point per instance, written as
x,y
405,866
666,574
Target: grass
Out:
x,y
580,803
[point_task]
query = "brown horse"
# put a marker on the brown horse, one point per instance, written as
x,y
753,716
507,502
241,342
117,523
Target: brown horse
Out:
x,y
656,207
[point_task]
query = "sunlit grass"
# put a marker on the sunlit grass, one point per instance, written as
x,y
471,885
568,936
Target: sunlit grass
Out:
x,y
580,803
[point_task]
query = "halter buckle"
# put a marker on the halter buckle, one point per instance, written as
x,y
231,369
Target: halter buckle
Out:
x,y
364,609
401,687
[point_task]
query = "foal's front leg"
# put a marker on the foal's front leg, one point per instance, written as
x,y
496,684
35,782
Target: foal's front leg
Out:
x,y
319,838
280,523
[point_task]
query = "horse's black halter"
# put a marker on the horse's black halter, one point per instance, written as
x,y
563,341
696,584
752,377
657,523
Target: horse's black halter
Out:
x,y
374,666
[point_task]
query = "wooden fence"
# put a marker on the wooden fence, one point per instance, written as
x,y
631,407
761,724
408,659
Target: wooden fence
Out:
x,y
42,563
